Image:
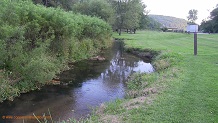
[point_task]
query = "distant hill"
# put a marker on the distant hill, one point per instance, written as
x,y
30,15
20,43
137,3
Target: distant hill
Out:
x,y
170,22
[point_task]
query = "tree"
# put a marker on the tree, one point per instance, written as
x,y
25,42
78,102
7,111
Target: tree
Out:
x,y
65,4
212,24
97,8
207,26
132,15
192,17
214,19
147,22
144,21
128,14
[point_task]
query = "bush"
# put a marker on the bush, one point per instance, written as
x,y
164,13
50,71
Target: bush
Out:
x,y
36,42
6,90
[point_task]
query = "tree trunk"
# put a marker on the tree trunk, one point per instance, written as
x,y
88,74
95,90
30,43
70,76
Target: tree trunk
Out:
x,y
119,31
130,31
45,2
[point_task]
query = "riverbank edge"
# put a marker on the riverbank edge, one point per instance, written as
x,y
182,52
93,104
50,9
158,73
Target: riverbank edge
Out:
x,y
54,81
142,89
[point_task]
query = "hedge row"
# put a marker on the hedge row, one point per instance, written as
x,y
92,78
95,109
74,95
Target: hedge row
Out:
x,y
37,42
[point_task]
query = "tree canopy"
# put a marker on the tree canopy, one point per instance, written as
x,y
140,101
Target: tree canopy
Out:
x,y
128,14
97,8
120,14
192,17
211,25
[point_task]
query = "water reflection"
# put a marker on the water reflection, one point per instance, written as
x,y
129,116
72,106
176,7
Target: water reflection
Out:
x,y
90,84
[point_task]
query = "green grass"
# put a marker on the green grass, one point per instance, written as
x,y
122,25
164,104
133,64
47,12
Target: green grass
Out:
x,y
187,90
192,96
187,85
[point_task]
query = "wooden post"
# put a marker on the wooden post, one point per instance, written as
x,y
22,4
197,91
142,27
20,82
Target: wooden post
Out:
x,y
195,44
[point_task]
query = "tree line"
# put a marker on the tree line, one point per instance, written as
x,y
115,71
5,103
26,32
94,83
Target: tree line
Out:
x,y
120,14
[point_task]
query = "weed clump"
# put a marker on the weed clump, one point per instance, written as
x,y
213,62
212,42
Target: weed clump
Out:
x,y
166,59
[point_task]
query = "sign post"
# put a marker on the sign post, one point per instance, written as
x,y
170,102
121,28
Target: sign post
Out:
x,y
195,44
194,29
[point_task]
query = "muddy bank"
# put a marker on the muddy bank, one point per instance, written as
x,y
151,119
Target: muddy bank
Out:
x,y
159,60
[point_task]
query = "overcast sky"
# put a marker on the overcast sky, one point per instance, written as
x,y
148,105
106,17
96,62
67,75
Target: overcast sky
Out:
x,y
180,8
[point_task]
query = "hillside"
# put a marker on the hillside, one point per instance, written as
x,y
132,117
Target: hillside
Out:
x,y
170,22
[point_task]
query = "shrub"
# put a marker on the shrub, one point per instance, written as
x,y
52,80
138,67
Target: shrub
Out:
x,y
6,90
36,42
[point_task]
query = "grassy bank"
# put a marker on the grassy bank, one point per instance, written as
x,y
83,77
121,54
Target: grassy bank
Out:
x,y
183,89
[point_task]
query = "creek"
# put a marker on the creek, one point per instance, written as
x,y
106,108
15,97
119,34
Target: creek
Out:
x,y
90,83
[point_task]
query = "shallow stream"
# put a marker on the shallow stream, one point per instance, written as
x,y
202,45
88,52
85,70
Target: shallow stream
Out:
x,y
91,83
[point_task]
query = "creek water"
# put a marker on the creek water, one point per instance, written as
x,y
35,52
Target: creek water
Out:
x,y
90,83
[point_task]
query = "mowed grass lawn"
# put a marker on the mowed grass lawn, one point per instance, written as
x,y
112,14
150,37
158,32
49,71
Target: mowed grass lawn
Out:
x,y
193,95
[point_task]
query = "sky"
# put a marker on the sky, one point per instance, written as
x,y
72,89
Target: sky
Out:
x,y
180,8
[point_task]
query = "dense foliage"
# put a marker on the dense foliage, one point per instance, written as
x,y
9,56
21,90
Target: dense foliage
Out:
x,y
65,4
37,42
211,26
97,8
120,14
128,14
